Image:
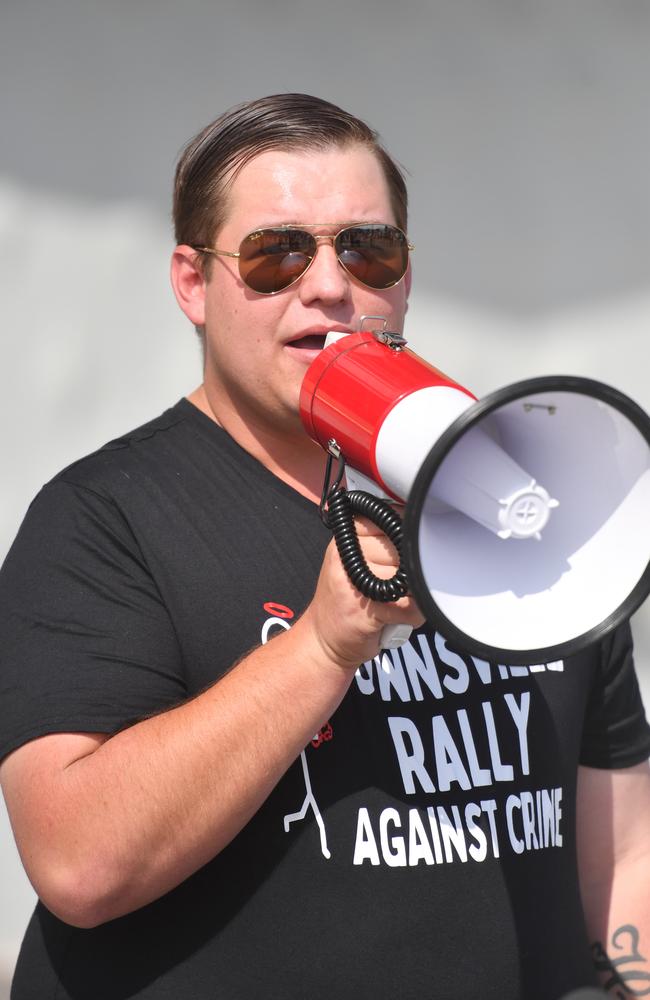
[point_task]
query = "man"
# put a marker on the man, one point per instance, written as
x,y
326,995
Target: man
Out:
x,y
210,795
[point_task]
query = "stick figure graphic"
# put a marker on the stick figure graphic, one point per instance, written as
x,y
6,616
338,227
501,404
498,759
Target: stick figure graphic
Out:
x,y
309,803
280,615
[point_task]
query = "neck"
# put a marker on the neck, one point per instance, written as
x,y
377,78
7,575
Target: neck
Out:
x,y
286,451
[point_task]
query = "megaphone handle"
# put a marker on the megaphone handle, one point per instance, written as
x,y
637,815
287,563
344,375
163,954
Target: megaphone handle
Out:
x,y
383,515
394,636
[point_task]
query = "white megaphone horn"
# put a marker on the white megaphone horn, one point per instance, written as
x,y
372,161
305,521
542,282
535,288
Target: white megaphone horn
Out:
x,y
526,534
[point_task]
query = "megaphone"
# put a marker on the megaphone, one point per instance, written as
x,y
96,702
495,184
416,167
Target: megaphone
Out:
x,y
526,532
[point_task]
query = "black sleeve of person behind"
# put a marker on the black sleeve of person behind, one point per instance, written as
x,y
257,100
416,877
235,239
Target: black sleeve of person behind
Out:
x,y
86,643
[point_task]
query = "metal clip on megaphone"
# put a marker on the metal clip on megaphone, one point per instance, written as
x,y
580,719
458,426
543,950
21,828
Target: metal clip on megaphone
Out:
x,y
557,469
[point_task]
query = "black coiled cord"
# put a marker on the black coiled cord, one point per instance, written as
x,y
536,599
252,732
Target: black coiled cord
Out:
x,y
339,517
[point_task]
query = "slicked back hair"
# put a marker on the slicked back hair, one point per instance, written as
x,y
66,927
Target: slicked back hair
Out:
x,y
211,161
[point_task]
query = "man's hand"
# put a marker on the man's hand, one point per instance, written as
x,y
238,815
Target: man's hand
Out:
x,y
346,624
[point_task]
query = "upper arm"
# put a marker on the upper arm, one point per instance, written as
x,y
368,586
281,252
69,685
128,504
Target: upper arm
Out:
x,y
88,644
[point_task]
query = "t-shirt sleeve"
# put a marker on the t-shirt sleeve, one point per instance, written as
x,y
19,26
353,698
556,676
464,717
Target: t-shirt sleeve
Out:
x,y
616,732
86,644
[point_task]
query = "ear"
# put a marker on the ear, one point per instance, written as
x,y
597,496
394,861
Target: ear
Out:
x,y
188,282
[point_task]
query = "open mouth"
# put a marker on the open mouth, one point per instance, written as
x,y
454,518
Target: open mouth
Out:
x,y
312,342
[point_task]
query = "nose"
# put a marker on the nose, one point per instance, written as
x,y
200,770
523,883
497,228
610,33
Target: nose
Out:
x,y
325,279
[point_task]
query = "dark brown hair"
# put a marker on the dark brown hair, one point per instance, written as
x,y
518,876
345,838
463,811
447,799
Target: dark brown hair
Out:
x,y
210,161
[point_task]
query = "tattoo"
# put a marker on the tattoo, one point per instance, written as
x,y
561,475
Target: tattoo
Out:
x,y
623,978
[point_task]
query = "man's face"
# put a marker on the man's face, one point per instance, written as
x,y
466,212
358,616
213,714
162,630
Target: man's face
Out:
x,y
258,347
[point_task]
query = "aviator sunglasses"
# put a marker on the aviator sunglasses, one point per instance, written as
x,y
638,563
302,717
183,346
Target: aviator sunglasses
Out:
x,y
272,258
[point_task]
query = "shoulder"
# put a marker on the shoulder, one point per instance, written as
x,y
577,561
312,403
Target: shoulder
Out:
x,y
177,476
108,491
177,429
170,455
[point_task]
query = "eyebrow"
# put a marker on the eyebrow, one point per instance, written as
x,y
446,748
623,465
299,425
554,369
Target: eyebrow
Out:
x,y
319,225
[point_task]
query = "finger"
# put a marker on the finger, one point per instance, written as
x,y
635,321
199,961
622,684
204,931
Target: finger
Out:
x,y
365,526
382,553
402,612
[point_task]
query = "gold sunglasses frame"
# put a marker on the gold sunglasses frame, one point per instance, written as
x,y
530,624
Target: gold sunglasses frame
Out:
x,y
319,239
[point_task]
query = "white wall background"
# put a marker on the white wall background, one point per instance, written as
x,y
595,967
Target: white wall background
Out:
x,y
523,126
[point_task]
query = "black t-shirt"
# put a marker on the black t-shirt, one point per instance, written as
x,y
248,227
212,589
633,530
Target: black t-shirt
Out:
x,y
422,845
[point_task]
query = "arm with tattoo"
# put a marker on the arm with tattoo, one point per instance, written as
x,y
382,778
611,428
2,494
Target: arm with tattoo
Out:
x,y
614,860
624,969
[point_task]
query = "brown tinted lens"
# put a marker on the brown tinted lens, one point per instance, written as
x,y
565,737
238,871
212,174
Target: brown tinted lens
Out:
x,y
271,259
374,254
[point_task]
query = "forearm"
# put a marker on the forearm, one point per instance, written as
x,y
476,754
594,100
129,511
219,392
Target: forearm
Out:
x,y
614,858
155,802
